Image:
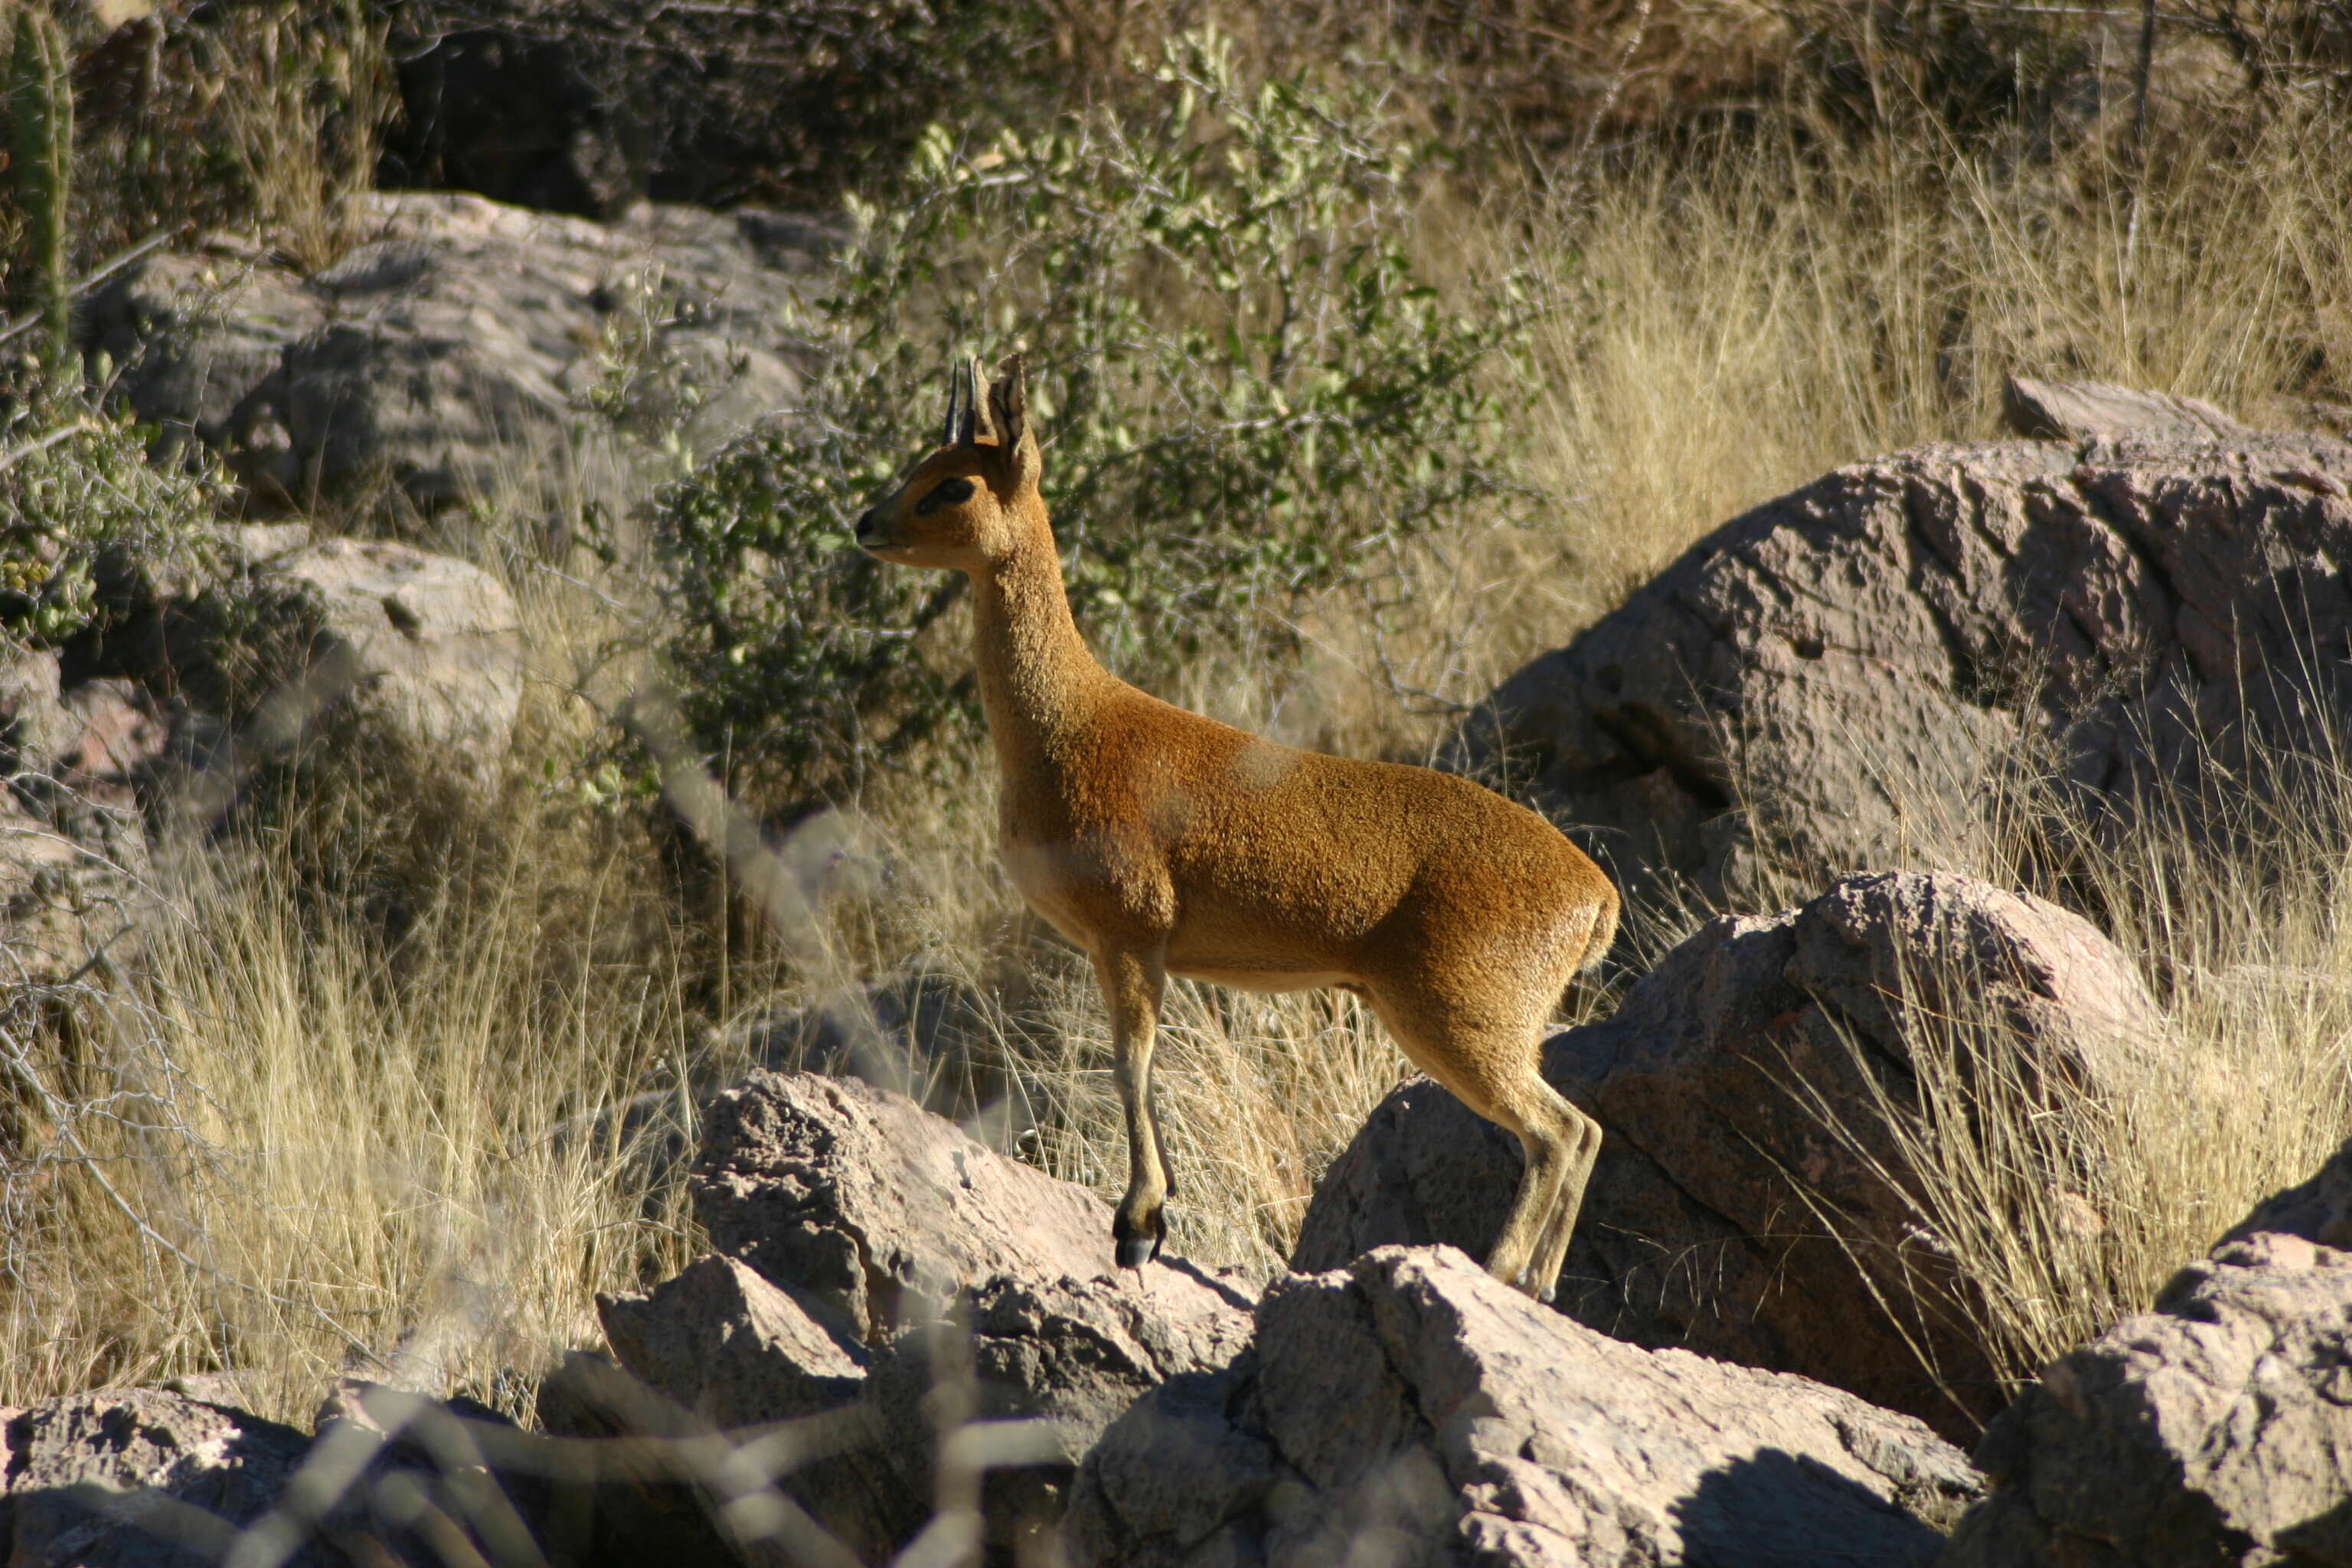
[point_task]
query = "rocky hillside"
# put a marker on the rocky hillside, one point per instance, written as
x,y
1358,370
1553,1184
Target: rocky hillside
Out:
x,y
907,1351
515,1045
905,1346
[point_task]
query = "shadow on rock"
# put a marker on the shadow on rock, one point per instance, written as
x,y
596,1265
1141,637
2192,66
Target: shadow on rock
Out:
x,y
1778,1510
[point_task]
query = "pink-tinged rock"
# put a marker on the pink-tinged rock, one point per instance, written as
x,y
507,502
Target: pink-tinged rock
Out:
x,y
1836,675
2216,1428
1410,1409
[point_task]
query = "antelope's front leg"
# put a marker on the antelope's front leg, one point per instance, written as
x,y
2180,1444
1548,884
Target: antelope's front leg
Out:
x,y
1132,981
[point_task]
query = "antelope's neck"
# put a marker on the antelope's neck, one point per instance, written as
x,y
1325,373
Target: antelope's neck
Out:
x,y
1037,678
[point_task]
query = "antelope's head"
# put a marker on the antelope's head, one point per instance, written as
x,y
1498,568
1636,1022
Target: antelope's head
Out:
x,y
971,501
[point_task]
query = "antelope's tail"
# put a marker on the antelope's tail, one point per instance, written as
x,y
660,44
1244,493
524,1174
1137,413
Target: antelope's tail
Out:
x,y
1604,929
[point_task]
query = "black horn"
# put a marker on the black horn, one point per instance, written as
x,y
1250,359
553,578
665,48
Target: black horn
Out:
x,y
951,430
966,387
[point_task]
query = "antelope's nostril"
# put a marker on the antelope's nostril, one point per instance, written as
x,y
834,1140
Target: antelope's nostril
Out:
x,y
865,523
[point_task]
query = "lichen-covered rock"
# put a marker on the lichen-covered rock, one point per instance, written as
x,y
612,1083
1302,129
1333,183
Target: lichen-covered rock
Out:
x,y
1412,1409
1837,673
1745,1091
2216,1428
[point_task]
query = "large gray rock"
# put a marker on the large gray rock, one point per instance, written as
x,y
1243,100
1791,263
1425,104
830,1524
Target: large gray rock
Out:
x,y
426,648
801,1172
259,637
135,1478
732,1348
1750,1091
453,351
2216,1428
874,1210
1074,1355
1838,673
734,1351
1412,1409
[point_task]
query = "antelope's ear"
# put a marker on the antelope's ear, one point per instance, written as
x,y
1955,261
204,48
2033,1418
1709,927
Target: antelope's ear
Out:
x,y
1008,411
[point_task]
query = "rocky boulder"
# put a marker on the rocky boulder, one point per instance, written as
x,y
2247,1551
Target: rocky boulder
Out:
x,y
136,1478
885,1272
2100,410
873,1209
256,636
1754,1093
734,1351
2216,1428
454,348
426,648
1836,675
1411,1408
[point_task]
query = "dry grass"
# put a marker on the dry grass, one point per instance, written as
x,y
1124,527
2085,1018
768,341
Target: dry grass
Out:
x,y
342,1151
2049,1217
317,1155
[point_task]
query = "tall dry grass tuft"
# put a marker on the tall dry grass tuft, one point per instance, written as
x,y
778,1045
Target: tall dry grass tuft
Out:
x,y
301,1152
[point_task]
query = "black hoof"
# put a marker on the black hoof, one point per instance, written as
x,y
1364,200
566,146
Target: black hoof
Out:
x,y
1135,1248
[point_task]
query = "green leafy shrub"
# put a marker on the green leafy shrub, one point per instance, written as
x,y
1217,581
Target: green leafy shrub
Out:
x,y
75,483
1250,395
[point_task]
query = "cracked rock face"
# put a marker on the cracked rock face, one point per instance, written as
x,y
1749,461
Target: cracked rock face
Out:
x,y
1853,661
1762,1056
851,1217
2215,1430
873,1208
1410,1409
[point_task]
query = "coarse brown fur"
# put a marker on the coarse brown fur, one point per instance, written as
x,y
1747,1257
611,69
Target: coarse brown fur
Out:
x,y
1165,843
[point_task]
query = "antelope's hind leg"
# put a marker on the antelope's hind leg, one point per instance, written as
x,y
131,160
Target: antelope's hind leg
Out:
x,y
1583,1136
1132,981
1493,1067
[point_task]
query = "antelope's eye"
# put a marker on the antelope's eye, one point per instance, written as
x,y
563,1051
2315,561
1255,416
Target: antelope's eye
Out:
x,y
947,492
